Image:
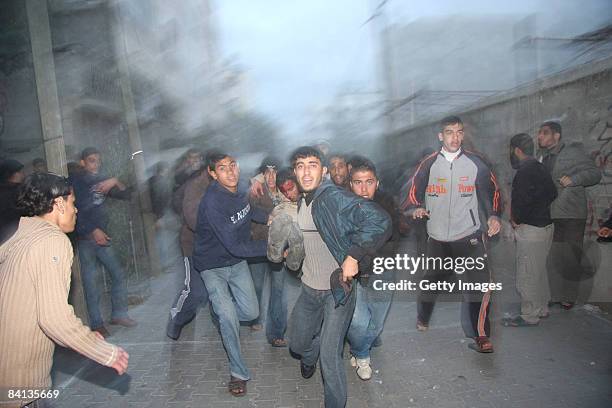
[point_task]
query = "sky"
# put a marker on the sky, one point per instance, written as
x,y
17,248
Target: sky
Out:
x,y
300,53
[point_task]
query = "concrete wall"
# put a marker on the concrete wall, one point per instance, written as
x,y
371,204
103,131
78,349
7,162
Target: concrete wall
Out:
x,y
581,99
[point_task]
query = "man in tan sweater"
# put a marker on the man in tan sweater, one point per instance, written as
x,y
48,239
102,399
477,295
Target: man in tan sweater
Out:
x,y
34,283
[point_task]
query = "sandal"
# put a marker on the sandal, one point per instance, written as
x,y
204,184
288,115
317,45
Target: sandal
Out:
x,y
420,326
237,387
278,343
481,344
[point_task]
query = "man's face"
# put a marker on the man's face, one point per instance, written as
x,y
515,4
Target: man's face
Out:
x,y
338,170
92,163
227,173
547,138
270,178
309,172
364,183
68,212
194,161
290,190
451,137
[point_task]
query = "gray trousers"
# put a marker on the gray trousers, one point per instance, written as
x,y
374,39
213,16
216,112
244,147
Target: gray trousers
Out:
x,y
532,247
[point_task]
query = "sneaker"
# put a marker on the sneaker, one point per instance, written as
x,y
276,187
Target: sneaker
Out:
x,y
307,370
364,371
124,321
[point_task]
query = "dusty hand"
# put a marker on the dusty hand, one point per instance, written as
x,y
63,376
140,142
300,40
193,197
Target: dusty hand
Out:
x,y
605,232
350,268
256,189
566,181
494,226
100,237
420,213
121,361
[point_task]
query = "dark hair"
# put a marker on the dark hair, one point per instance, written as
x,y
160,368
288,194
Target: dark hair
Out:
x,y
193,150
554,126
305,151
283,175
214,157
9,167
360,163
38,191
88,151
524,142
450,120
38,161
268,162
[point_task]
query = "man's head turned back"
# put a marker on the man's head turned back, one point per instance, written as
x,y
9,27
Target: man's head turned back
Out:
x,y
224,169
451,133
307,163
91,160
363,177
549,134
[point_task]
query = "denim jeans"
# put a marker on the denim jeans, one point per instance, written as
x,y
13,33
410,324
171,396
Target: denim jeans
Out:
x,y
368,320
193,294
89,253
275,306
317,330
233,299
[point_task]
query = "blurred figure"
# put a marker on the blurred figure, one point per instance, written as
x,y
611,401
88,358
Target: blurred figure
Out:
x,y
571,170
39,165
193,294
371,306
339,170
261,267
532,193
91,189
35,267
452,189
11,177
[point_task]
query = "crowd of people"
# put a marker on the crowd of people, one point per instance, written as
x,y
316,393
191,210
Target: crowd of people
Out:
x,y
321,217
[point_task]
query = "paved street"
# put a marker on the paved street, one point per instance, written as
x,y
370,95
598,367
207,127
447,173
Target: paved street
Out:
x,y
565,362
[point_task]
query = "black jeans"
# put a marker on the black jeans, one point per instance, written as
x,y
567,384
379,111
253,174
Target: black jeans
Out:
x,y
475,304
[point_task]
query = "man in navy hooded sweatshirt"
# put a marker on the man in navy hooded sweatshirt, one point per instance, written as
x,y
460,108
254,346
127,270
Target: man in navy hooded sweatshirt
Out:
x,y
222,242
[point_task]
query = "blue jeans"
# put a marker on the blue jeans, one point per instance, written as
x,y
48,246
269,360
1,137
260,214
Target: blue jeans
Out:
x,y
233,299
368,320
275,305
89,254
317,330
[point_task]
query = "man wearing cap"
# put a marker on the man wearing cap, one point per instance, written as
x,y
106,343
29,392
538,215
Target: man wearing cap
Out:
x,y
11,176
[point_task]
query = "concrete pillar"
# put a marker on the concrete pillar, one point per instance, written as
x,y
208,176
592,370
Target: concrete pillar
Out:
x,y
51,117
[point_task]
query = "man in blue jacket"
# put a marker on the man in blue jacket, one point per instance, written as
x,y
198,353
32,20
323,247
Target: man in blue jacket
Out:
x,y
91,188
222,242
340,229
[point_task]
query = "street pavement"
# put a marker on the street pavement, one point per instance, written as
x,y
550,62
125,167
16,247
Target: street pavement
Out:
x,y
564,362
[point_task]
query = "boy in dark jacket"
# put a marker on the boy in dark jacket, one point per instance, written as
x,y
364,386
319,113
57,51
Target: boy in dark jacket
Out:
x,y
222,242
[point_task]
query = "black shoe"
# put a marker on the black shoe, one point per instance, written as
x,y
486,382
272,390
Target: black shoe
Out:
x,y
307,371
174,330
